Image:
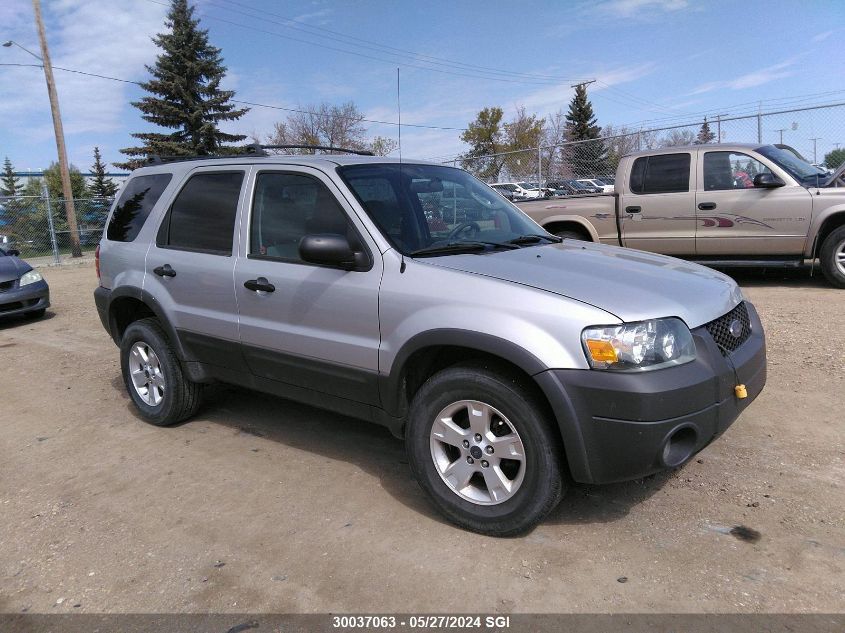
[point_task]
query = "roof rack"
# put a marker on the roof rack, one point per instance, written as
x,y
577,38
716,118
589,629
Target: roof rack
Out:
x,y
253,149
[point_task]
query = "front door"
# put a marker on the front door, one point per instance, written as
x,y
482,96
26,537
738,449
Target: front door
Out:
x,y
657,205
737,218
311,326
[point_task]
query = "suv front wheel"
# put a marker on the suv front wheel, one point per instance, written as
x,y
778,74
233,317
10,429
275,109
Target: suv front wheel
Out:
x,y
480,445
153,376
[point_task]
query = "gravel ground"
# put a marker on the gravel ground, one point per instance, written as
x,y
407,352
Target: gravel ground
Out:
x,y
259,504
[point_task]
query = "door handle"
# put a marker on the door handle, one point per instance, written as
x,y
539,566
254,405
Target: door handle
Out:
x,y
633,209
706,206
164,271
259,285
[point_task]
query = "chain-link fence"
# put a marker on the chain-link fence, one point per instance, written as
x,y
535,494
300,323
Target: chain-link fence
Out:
x,y
812,132
37,227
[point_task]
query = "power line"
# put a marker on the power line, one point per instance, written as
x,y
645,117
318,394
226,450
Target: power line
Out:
x,y
364,55
242,102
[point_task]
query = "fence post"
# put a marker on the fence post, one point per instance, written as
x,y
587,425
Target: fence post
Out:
x,y
54,244
539,166
759,127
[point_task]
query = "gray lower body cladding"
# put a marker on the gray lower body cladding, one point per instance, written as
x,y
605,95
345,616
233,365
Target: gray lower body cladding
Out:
x,y
619,426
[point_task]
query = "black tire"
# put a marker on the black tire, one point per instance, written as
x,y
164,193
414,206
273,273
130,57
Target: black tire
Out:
x,y
180,398
37,314
832,245
543,484
571,235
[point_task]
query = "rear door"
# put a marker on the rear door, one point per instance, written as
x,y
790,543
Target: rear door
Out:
x,y
657,205
303,324
191,264
737,218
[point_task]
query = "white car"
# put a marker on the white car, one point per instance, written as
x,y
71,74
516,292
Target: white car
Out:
x,y
595,182
518,188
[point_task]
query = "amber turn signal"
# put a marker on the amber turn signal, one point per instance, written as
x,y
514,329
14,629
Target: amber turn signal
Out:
x,y
741,392
601,351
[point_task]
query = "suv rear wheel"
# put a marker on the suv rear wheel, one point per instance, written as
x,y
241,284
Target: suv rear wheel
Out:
x,y
481,447
832,257
153,376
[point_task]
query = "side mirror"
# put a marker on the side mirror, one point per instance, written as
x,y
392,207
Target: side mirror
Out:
x,y
331,249
768,180
13,252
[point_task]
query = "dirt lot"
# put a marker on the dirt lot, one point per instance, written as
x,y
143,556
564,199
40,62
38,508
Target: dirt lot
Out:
x,y
259,504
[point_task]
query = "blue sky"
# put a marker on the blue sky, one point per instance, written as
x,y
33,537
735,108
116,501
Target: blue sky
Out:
x,y
655,60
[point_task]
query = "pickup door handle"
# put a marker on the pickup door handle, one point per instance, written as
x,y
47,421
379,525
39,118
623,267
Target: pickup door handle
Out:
x,y
164,271
633,209
706,206
259,285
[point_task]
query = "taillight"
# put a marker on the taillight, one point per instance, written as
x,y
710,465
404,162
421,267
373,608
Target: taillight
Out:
x,y
97,261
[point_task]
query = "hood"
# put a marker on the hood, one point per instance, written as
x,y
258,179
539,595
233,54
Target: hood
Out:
x,y
12,268
632,285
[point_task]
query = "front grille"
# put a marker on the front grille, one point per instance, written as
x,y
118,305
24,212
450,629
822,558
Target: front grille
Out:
x,y
7,285
720,329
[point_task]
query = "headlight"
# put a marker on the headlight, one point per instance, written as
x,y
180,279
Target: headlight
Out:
x,y
639,346
30,278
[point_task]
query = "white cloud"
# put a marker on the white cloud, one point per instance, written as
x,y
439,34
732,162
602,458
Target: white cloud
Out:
x,y
821,37
98,36
632,8
749,80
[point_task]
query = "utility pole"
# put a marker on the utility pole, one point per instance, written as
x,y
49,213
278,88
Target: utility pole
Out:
x,y
583,83
815,158
67,191
781,130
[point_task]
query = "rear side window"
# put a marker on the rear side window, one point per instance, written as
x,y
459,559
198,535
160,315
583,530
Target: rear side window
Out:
x,y
138,198
202,217
665,173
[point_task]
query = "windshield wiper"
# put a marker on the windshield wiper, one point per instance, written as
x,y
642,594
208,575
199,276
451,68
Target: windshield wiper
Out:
x,y
533,238
458,247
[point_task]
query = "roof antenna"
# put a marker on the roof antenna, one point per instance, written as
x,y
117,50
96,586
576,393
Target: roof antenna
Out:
x,y
399,111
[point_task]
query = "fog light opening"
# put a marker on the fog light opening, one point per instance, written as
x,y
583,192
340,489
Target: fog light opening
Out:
x,y
679,446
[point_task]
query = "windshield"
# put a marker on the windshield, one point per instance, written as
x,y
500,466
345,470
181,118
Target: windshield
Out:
x,y
797,168
421,206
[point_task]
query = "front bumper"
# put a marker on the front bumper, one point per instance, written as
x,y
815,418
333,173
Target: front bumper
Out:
x,y
31,297
619,426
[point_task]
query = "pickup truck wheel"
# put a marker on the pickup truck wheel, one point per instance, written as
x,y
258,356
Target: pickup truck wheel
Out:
x,y
480,445
832,257
153,376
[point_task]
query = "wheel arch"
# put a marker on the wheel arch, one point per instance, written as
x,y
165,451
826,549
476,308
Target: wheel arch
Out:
x,y
128,304
571,223
429,352
829,224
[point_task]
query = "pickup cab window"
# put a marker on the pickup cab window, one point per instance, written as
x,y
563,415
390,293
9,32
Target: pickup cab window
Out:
x,y
663,173
731,170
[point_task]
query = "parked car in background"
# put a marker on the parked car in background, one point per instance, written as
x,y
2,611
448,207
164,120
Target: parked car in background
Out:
x,y
518,188
510,191
599,185
570,188
723,205
22,289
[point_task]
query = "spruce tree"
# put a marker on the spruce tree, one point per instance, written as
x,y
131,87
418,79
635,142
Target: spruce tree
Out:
x,y
705,135
11,185
101,186
586,158
185,93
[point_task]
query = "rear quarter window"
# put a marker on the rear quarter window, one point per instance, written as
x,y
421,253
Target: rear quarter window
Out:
x,y
137,199
663,173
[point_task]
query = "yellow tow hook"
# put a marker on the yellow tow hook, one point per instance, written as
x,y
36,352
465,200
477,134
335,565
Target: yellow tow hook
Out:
x,y
741,392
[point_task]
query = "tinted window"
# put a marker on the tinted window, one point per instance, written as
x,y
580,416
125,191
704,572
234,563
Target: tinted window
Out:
x,y
731,170
286,207
666,173
136,201
202,217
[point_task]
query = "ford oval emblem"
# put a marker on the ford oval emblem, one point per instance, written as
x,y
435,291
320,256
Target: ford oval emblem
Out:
x,y
735,328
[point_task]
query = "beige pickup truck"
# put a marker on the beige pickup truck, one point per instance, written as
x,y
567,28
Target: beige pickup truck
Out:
x,y
721,205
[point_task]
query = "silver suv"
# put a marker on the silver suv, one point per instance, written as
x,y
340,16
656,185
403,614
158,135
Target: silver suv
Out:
x,y
411,294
